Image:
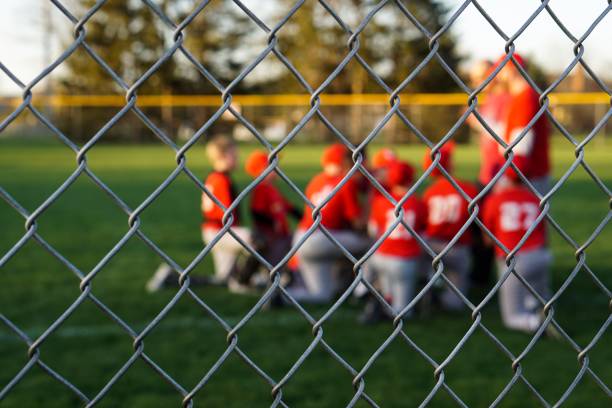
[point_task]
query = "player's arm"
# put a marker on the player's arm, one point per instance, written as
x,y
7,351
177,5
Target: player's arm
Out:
x,y
292,210
205,203
350,199
262,217
259,208
422,215
295,212
373,228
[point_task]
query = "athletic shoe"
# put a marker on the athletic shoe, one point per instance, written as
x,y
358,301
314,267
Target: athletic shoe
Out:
x,y
236,287
373,313
209,280
163,276
260,280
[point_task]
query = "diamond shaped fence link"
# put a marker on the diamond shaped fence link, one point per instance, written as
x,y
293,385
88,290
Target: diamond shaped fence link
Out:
x,y
86,278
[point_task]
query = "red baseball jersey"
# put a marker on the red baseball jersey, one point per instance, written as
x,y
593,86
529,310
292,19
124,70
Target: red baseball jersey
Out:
x,y
222,187
341,211
400,242
267,201
493,111
509,213
447,210
535,144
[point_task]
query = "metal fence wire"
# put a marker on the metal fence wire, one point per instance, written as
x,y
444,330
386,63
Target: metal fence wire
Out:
x,y
353,34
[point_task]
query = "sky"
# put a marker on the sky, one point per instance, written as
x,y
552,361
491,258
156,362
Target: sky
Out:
x,y
24,47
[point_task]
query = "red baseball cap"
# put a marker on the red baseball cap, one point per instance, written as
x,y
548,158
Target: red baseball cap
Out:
x,y
256,163
446,155
383,158
400,173
336,154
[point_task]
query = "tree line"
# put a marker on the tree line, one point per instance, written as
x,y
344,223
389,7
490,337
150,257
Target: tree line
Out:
x,y
130,38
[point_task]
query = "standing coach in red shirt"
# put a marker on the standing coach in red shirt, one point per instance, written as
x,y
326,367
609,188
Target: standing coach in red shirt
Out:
x,y
522,106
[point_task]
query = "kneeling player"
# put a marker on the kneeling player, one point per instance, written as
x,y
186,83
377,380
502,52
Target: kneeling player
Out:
x,y
396,261
269,210
381,160
447,212
319,256
508,213
222,154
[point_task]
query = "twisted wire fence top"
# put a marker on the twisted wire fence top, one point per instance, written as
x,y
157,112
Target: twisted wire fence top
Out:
x,y
86,278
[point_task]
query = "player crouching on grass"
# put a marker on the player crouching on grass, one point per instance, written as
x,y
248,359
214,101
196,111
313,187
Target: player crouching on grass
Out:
x,y
396,262
378,167
447,213
318,256
222,153
523,107
508,213
269,210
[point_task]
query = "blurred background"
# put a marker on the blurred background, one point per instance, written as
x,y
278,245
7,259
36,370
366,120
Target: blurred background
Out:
x,y
80,97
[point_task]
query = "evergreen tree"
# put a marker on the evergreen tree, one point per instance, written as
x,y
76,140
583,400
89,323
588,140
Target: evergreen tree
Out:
x,y
315,43
131,38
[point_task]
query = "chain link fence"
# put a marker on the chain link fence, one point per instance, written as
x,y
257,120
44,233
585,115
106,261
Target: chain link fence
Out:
x,y
133,214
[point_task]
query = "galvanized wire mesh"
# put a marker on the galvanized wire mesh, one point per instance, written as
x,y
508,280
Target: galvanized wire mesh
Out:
x,y
86,278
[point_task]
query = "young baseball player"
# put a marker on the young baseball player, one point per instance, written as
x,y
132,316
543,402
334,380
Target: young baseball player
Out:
x,y
221,152
447,212
396,262
318,256
269,210
380,163
508,213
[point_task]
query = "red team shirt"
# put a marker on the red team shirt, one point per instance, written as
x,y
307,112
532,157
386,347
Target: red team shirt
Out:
x,y
400,242
521,110
268,201
221,186
509,213
341,211
493,112
447,210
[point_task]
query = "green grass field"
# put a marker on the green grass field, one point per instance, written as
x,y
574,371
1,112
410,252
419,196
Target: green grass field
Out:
x,y
88,348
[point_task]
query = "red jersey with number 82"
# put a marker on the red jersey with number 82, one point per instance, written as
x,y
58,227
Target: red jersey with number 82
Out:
x,y
400,242
447,210
509,213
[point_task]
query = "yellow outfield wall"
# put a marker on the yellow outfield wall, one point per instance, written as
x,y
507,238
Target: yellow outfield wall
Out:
x,y
419,99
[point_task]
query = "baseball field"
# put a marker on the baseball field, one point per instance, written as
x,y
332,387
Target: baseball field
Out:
x,y
88,348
